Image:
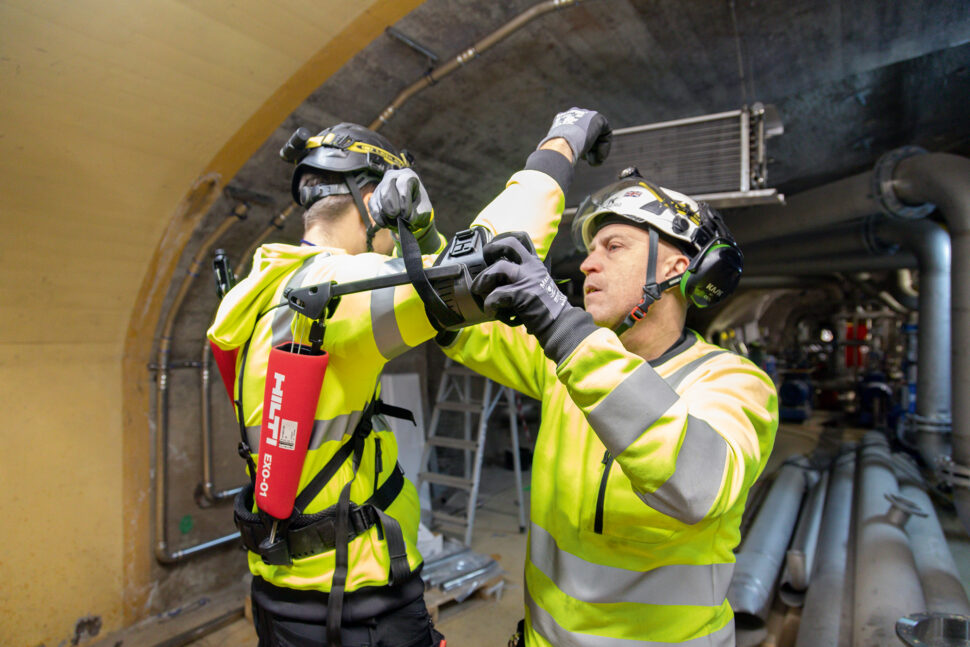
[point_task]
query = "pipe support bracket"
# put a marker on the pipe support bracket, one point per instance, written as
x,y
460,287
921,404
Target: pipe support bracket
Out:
x,y
953,474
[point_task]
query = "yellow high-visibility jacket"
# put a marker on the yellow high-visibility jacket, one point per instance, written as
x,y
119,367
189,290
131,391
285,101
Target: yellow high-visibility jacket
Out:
x,y
639,479
366,331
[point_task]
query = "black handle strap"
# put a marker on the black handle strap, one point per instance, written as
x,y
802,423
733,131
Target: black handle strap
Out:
x,y
439,314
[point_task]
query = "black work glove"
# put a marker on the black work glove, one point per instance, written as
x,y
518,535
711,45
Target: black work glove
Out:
x,y
587,132
400,194
518,289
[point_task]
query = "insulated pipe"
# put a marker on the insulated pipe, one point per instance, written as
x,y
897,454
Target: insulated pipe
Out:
x,y
800,558
468,55
763,550
887,586
944,180
901,178
820,625
930,244
819,266
937,571
160,471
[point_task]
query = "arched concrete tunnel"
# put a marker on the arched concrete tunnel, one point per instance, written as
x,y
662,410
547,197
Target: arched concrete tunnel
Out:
x,y
137,138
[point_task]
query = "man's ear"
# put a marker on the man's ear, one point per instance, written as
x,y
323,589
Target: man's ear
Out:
x,y
675,264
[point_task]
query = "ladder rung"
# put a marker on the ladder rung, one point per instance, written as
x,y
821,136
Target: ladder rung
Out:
x,y
473,407
453,443
461,370
445,479
449,518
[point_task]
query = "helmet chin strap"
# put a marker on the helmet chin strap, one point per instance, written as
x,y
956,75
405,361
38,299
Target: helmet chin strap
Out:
x,y
652,290
362,210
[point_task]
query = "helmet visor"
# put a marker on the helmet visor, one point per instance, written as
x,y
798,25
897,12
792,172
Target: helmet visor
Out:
x,y
594,207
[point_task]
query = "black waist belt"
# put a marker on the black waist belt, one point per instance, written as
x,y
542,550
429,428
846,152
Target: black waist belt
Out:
x,y
312,534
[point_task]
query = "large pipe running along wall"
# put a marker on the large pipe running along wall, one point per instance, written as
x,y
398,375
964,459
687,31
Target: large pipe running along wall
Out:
x,y
900,179
760,557
820,624
938,573
887,586
929,242
800,558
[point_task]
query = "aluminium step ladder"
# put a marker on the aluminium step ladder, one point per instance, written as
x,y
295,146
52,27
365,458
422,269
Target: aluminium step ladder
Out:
x,y
457,394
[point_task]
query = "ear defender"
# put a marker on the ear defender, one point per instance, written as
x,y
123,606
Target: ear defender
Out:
x,y
713,274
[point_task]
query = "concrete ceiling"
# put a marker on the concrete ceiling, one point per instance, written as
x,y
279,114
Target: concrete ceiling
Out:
x,y
852,79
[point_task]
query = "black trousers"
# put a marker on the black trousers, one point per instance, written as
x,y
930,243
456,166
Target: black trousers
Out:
x,y
380,618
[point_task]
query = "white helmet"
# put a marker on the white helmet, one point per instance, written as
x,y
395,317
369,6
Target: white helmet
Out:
x,y
693,227
635,201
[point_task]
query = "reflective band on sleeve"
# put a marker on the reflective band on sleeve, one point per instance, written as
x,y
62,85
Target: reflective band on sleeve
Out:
x,y
548,628
678,376
675,584
635,404
690,492
387,334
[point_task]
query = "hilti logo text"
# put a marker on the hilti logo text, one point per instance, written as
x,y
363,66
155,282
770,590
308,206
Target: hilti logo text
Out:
x,y
264,474
275,402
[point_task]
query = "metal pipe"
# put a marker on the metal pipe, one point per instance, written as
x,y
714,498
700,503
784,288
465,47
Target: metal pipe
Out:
x,y
937,571
901,179
830,265
761,554
887,586
160,470
209,490
930,243
944,180
800,558
468,55
821,623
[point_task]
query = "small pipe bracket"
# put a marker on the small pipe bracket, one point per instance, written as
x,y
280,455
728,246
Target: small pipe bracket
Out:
x,y
885,194
953,474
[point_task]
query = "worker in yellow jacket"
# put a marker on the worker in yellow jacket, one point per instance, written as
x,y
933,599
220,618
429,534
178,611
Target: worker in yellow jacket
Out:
x,y
312,586
650,437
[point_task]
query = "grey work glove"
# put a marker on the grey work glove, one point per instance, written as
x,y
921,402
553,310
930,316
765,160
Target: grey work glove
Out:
x,y
518,289
587,132
400,194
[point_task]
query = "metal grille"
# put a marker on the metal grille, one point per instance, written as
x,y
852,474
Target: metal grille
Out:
x,y
718,158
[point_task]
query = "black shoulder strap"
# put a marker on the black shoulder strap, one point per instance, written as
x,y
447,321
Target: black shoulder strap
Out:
x,y
364,426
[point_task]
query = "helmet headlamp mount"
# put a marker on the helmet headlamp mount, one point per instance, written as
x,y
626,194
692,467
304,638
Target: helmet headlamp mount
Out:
x,y
358,155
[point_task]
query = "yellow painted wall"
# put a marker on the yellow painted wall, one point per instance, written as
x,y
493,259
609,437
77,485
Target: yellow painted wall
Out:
x,y
110,113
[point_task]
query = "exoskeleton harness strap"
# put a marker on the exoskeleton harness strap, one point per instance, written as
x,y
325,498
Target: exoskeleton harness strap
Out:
x,y
334,527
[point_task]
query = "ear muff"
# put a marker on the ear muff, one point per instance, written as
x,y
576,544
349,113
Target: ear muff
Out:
x,y
713,274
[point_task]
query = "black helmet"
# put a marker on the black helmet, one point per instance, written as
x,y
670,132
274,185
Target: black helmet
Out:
x,y
348,149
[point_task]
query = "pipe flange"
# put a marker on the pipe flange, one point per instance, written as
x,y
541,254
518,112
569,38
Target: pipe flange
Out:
x,y
953,474
901,509
882,185
938,425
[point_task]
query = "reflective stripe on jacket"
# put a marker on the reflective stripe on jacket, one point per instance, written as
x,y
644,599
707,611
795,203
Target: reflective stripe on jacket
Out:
x,y
640,475
366,331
